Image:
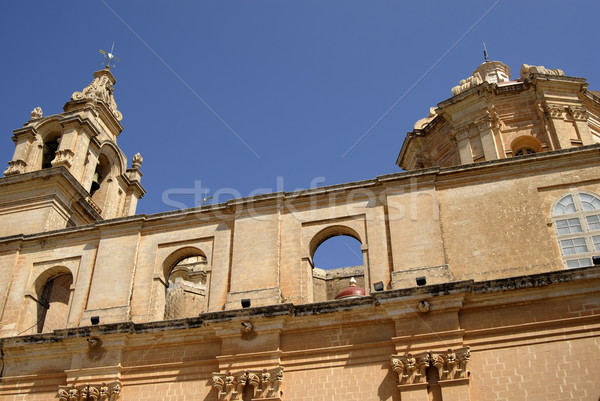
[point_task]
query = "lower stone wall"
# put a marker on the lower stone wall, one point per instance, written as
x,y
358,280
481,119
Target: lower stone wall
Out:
x,y
549,370
474,341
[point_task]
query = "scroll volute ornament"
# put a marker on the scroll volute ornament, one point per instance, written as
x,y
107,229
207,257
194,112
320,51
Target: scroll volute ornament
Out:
x,y
412,369
101,89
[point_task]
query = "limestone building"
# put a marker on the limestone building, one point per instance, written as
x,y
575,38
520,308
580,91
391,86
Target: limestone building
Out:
x,y
479,264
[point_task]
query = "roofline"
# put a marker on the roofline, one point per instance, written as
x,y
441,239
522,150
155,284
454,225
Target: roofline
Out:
x,y
283,196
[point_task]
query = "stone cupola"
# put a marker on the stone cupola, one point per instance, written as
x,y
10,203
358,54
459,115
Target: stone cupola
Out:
x,y
491,116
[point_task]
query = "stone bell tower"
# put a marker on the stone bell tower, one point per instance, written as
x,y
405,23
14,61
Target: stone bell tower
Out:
x,y
67,169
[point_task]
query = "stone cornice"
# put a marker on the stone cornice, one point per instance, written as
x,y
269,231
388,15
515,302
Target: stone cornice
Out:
x,y
402,296
57,171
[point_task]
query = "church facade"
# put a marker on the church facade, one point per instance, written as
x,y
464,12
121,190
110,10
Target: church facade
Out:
x,y
480,264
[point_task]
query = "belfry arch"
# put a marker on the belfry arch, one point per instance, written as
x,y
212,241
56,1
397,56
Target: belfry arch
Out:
x,y
326,283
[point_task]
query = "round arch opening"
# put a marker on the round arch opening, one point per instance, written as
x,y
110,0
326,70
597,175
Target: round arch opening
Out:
x,y
186,280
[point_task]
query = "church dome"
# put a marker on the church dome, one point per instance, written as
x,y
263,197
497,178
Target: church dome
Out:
x,y
352,291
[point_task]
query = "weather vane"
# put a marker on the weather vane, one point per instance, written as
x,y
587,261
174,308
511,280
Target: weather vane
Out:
x,y
109,57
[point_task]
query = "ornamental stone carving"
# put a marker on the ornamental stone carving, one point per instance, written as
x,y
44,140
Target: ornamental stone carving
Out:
x,y
424,121
100,90
578,112
556,110
412,369
63,157
136,161
15,167
263,384
466,84
36,114
90,392
527,70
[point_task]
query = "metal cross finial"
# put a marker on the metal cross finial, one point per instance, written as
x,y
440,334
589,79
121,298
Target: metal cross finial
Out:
x,y
485,55
109,57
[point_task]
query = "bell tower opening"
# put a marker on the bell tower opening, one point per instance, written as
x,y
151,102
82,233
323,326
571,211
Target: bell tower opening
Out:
x,y
49,149
101,176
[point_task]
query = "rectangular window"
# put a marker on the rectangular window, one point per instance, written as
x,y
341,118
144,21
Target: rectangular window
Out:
x,y
596,239
579,263
568,226
593,222
573,246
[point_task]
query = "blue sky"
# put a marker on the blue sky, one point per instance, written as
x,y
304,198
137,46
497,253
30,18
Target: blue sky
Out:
x,y
299,91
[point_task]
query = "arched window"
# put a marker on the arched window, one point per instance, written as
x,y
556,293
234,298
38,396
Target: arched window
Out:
x,y
53,303
577,221
338,252
336,255
525,151
186,288
525,145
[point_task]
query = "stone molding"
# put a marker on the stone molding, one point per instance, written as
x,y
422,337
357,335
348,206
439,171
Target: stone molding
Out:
x,y
93,205
90,392
265,384
450,364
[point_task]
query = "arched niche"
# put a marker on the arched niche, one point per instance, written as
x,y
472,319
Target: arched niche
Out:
x,y
51,295
186,283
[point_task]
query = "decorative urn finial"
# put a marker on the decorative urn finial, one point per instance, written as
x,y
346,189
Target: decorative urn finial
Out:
x,y
36,113
136,161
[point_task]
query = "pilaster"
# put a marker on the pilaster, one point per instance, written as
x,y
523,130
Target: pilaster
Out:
x,y
464,146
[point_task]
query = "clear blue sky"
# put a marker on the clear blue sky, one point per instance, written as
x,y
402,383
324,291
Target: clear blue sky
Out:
x,y
299,82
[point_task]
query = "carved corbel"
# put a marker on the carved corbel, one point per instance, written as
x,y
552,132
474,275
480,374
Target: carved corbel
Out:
x,y
578,113
73,394
437,361
462,134
63,395
15,167
450,365
229,382
219,384
90,392
276,383
555,110
263,384
254,382
423,362
241,382
464,356
63,157
85,392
